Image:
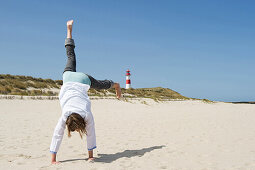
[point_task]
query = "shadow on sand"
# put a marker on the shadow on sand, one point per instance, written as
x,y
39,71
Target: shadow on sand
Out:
x,y
243,102
71,160
108,158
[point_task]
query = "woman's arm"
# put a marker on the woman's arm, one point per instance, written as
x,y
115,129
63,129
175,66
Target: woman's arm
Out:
x,y
90,155
91,135
117,90
54,158
57,139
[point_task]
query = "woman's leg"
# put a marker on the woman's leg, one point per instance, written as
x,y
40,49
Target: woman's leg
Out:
x,y
105,84
100,84
69,45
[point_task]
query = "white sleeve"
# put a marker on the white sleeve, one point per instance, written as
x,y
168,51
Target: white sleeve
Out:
x,y
57,136
91,135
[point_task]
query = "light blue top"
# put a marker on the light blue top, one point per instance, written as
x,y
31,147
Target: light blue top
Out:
x,y
79,77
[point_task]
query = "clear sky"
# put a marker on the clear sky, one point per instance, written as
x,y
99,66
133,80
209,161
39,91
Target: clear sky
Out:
x,y
201,49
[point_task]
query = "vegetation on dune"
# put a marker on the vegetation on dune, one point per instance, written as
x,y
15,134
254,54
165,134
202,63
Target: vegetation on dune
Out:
x,y
157,93
30,86
27,85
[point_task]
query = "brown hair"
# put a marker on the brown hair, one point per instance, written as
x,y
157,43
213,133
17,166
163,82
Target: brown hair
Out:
x,y
75,122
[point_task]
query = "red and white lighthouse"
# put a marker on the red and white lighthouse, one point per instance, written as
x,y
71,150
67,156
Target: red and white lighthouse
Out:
x,y
128,82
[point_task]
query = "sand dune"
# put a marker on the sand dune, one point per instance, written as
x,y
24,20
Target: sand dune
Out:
x,y
169,135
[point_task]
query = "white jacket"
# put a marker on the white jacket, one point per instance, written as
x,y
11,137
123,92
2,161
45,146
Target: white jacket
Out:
x,y
74,99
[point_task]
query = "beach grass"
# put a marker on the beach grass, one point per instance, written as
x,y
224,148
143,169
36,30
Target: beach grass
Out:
x,y
30,86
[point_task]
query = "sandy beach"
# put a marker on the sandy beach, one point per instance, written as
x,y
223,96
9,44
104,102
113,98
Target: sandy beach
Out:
x,y
175,135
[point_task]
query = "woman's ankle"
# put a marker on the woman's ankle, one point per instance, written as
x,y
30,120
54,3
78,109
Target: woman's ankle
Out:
x,y
69,34
69,25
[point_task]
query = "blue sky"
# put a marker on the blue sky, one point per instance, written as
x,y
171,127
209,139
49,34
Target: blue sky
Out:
x,y
201,49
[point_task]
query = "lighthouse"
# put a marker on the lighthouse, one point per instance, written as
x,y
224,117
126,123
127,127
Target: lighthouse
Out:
x,y
128,82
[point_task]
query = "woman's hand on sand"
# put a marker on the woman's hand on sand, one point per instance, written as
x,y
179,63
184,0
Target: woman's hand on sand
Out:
x,y
91,159
55,162
117,90
54,158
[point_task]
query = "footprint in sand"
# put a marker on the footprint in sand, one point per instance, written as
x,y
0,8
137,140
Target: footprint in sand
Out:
x,y
247,164
163,167
24,147
25,156
46,149
44,167
20,163
37,157
11,147
170,152
11,160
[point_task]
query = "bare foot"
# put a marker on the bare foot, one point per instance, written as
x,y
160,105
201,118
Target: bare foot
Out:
x,y
69,24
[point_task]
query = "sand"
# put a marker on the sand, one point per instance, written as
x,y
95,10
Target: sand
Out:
x,y
171,135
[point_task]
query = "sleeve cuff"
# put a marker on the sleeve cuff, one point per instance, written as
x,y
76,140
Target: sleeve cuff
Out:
x,y
53,152
69,41
92,148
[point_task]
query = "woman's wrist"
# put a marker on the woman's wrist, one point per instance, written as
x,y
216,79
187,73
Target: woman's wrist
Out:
x,y
53,157
117,89
116,85
90,154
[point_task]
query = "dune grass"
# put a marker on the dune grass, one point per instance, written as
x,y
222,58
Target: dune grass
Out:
x,y
30,86
27,85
